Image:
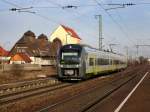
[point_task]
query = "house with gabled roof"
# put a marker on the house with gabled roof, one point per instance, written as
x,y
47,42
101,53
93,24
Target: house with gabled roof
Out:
x,y
20,58
3,52
38,49
66,35
3,55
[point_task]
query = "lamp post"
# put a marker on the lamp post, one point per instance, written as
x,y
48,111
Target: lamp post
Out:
x,y
127,54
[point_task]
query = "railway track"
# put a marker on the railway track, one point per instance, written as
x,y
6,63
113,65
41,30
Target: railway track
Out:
x,y
16,91
83,99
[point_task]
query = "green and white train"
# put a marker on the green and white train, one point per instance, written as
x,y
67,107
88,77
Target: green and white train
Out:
x,y
77,62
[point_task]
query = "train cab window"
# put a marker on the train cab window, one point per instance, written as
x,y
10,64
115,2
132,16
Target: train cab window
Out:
x,y
91,61
69,58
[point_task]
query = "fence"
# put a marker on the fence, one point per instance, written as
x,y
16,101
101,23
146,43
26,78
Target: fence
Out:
x,y
9,67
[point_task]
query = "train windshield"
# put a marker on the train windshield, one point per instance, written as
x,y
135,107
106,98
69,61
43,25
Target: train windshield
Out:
x,y
70,58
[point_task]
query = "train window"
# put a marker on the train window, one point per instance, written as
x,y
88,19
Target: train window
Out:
x,y
121,62
116,62
96,61
91,61
99,61
69,58
110,61
69,54
102,61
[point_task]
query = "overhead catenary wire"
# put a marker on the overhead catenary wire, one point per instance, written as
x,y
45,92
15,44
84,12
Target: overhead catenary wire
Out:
x,y
54,21
37,14
34,13
119,26
121,17
144,3
10,3
3,10
59,5
65,6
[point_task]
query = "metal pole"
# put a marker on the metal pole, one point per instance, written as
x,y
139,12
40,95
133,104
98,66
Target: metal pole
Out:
x,y
100,31
137,52
127,54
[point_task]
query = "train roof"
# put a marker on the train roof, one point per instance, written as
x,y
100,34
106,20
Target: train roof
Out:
x,y
89,48
92,49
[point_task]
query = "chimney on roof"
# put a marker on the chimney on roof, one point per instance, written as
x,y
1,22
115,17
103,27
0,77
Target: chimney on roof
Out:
x,y
29,36
29,33
43,37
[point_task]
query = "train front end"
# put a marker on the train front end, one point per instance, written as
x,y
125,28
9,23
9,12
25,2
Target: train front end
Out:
x,y
69,62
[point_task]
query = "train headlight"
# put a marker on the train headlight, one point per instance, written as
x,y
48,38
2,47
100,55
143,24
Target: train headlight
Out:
x,y
77,66
60,65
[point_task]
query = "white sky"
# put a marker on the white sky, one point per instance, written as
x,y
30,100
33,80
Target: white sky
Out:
x,y
131,27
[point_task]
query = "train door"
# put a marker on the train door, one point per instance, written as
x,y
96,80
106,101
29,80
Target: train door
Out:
x,y
94,66
91,64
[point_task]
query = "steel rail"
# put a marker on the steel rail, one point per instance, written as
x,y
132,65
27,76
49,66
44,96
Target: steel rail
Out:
x,y
11,88
129,78
111,91
33,92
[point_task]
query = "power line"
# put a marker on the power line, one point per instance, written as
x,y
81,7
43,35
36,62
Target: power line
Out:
x,y
37,14
140,45
65,6
3,10
10,3
22,9
59,5
46,18
100,38
120,17
143,3
119,26
123,5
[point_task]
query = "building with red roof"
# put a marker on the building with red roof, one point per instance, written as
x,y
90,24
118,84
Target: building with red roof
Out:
x,y
4,58
39,49
20,58
66,35
3,52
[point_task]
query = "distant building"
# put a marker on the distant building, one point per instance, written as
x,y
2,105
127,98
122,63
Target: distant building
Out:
x,y
20,58
3,55
40,50
65,35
